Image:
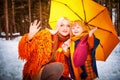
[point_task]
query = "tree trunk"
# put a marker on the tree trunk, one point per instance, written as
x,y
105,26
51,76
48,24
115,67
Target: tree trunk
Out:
x,y
6,19
48,6
13,17
29,4
41,12
118,18
110,8
12,21
0,27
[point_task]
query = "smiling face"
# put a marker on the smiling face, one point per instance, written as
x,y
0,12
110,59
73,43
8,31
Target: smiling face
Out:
x,y
64,27
76,29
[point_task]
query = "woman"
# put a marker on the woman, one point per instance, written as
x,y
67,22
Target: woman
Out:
x,y
42,52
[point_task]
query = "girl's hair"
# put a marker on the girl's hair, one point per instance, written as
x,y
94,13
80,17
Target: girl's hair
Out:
x,y
80,23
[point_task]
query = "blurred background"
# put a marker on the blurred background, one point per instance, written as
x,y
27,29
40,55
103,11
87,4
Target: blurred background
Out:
x,y
16,15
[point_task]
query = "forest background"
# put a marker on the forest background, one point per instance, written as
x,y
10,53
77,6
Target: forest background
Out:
x,y
16,15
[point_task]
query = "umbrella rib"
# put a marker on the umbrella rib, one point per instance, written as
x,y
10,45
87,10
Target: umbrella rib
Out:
x,y
99,28
74,12
84,10
95,16
70,9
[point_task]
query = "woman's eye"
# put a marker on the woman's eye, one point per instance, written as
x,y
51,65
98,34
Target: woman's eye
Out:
x,y
61,25
68,25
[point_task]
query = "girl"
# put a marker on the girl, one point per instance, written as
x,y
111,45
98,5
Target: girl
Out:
x,y
41,50
86,71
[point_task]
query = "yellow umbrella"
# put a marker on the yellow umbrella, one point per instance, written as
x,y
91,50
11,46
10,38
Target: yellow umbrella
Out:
x,y
93,15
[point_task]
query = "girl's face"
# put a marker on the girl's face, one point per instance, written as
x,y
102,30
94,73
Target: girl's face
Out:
x,y
77,30
64,28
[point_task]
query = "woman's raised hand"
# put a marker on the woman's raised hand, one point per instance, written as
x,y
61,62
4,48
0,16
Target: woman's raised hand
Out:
x,y
34,28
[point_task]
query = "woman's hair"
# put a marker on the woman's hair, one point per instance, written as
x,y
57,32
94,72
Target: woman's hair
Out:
x,y
60,21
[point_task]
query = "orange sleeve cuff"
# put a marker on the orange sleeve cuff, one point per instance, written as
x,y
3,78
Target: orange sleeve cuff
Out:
x,y
91,42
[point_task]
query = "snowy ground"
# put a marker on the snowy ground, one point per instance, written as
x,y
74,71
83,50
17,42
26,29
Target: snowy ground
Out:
x,y
11,66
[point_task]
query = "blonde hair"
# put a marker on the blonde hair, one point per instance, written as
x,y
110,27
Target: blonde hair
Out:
x,y
61,20
58,25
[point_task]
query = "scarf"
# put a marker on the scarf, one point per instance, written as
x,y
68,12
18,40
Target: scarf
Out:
x,y
57,38
74,38
72,49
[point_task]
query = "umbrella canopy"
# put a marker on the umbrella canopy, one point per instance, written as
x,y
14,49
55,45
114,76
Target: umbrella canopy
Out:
x,y
93,15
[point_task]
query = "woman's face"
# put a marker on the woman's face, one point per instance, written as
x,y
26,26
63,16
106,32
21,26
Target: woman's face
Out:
x,y
77,30
64,28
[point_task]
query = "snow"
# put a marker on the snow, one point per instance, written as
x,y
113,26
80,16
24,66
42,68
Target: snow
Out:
x,y
3,34
11,67
110,69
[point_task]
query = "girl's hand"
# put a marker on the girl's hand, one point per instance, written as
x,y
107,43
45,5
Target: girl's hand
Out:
x,y
92,31
34,28
66,45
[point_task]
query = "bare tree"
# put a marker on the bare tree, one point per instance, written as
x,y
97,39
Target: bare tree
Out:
x,y
13,16
29,6
118,18
6,19
41,11
12,26
109,6
0,27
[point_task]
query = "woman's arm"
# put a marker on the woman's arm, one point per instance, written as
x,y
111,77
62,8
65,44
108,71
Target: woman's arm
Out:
x,y
24,47
27,43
